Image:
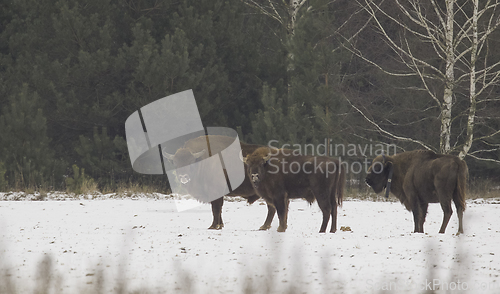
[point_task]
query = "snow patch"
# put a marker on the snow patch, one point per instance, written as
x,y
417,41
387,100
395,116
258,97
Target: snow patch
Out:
x,y
147,244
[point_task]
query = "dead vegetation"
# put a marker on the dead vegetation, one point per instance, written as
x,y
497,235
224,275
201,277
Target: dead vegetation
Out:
x,y
259,279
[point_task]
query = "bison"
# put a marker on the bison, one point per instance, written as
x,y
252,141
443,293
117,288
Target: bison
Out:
x,y
194,150
419,178
278,176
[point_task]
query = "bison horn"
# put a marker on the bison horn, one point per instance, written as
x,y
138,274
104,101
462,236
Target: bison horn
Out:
x,y
267,157
167,155
386,160
243,159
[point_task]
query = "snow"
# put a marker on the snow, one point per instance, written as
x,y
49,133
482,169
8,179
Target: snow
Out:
x,y
146,244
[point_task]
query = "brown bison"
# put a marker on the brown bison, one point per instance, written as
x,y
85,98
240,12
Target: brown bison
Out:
x,y
193,151
419,178
278,176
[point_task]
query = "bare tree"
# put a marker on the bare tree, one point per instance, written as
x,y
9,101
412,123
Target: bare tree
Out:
x,y
285,13
292,15
459,36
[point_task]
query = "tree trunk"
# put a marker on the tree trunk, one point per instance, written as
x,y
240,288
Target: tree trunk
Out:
x,y
472,86
444,144
327,121
293,10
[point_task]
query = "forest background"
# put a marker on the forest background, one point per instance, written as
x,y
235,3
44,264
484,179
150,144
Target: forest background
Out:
x,y
417,74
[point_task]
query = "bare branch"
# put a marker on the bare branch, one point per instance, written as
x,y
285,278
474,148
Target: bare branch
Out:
x,y
404,139
262,9
458,39
379,142
360,55
395,47
488,100
487,136
433,32
439,13
486,150
420,74
484,159
337,32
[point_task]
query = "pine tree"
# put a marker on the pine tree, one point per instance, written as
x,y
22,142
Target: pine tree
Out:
x,y
309,111
3,182
29,161
280,123
316,81
102,157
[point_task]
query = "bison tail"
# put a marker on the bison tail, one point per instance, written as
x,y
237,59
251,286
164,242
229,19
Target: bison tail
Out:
x,y
340,187
459,194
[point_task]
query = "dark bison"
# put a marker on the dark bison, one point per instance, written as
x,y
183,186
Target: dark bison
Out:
x,y
278,176
422,177
195,150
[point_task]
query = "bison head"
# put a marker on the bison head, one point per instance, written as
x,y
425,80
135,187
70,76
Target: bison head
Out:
x,y
182,158
378,173
257,163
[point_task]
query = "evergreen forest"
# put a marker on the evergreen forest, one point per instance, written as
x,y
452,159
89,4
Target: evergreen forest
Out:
x,y
415,74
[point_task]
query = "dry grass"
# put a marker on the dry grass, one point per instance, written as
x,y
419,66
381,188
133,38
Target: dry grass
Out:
x,y
89,186
48,280
131,189
483,188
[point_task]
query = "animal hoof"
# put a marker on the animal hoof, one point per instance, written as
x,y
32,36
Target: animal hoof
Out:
x,y
216,227
280,229
333,231
264,228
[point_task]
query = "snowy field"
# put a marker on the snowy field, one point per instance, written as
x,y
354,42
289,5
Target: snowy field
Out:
x,y
146,246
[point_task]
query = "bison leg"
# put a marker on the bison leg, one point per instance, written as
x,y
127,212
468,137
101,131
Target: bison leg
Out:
x,y
326,208
217,223
423,214
460,213
415,205
417,215
270,215
446,206
416,220
446,183
281,204
334,217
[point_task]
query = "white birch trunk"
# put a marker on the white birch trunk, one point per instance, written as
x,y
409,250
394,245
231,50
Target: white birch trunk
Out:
x,y
472,86
452,45
446,106
293,10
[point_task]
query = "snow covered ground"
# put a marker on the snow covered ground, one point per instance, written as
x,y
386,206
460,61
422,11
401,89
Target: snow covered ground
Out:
x,y
146,245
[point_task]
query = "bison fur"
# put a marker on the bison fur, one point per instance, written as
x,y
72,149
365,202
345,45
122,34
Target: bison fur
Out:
x,y
278,176
423,177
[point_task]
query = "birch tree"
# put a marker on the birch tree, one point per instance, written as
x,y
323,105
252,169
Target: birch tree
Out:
x,y
285,13
460,36
307,32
